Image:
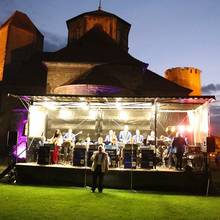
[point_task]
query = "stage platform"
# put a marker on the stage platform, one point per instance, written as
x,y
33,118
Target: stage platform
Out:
x,y
161,179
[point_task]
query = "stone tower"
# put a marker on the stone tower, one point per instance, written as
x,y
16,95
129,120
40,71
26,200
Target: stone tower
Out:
x,y
187,77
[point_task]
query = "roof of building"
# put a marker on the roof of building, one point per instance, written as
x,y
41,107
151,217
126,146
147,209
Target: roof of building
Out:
x,y
134,77
95,46
21,20
97,13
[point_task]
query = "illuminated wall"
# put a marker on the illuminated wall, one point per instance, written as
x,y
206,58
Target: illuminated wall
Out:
x,y
3,46
19,40
187,77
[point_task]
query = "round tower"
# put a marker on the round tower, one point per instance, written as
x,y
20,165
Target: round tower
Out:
x,y
187,77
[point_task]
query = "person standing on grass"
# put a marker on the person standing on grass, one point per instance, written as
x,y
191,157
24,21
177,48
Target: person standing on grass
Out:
x,y
99,168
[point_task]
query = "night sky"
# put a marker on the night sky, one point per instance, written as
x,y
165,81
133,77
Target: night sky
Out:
x,y
164,33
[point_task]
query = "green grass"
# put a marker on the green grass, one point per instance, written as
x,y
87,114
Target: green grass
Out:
x,y
29,202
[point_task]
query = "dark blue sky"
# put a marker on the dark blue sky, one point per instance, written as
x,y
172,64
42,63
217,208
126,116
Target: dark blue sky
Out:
x,y
164,33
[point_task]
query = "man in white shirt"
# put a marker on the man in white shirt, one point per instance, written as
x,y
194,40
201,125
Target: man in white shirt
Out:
x,y
125,135
99,168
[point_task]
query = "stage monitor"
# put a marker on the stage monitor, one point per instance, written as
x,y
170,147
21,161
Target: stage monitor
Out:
x,y
151,142
93,147
80,146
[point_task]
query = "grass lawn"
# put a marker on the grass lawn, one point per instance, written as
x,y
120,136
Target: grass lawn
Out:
x,y
30,202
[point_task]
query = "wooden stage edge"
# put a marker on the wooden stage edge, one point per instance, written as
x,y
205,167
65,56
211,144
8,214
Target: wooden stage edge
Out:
x,y
138,179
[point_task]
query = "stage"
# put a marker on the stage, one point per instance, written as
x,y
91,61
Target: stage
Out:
x,y
161,179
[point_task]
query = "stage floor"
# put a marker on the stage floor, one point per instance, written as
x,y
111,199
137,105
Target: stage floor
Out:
x,y
158,168
160,179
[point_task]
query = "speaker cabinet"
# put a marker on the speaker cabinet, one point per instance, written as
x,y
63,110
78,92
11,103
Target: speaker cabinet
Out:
x,y
43,155
12,138
210,144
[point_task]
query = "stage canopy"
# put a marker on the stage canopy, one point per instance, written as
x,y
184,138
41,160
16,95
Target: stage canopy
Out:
x,y
95,116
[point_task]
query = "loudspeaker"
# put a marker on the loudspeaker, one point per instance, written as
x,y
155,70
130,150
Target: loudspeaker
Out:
x,y
43,155
12,138
210,144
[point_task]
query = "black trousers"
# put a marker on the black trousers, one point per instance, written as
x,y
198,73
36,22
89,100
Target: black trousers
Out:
x,y
179,160
97,176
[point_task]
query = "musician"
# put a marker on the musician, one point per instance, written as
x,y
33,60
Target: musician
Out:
x,y
109,137
69,141
125,135
88,141
138,138
100,141
113,144
69,136
180,144
57,140
151,137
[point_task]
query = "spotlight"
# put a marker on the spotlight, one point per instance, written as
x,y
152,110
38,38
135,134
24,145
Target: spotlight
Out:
x,y
123,116
93,114
65,114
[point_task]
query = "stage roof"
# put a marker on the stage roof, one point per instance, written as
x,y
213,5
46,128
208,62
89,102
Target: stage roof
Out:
x,y
166,103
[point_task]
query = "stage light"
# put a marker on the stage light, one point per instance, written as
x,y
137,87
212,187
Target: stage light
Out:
x,y
173,129
118,105
37,119
65,114
123,116
181,128
49,105
82,99
84,105
93,114
148,116
189,129
20,150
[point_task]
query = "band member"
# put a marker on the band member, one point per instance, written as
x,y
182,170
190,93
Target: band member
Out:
x,y
69,136
99,168
180,144
109,137
69,141
100,141
151,137
138,138
125,135
88,141
57,140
